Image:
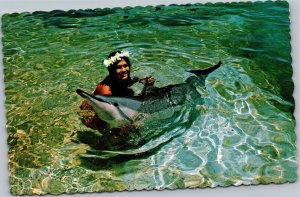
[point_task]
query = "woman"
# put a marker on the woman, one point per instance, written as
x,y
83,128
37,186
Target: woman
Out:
x,y
116,83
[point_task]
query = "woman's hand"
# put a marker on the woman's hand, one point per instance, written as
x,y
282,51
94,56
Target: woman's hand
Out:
x,y
149,80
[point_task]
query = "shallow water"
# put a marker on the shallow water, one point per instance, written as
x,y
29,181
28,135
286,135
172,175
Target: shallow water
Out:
x,y
241,131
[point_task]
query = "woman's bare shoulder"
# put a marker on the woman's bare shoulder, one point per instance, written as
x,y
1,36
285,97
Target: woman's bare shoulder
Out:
x,y
102,89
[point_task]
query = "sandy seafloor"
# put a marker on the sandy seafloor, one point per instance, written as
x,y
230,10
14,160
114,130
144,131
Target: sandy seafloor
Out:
x,y
252,190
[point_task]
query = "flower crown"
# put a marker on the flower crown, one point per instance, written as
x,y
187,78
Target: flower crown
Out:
x,y
109,61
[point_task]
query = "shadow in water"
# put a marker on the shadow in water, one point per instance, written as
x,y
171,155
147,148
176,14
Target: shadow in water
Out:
x,y
93,139
96,163
111,148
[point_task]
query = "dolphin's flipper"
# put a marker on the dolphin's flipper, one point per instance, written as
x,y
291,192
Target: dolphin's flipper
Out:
x,y
205,71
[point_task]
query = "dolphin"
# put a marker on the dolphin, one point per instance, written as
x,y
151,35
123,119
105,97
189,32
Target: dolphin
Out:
x,y
121,111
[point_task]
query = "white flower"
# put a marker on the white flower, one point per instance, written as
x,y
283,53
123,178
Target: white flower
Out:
x,y
115,58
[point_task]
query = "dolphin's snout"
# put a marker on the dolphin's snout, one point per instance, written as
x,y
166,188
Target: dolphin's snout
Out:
x,y
79,91
83,93
89,97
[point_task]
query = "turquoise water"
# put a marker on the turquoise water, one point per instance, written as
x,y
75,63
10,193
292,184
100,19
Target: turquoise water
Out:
x,y
241,131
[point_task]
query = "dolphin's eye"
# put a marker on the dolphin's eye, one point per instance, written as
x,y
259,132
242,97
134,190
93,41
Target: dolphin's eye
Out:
x,y
116,104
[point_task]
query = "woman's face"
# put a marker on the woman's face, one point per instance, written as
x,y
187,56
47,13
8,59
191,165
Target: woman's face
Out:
x,y
122,70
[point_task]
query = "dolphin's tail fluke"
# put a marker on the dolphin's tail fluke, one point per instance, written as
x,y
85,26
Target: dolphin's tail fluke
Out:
x,y
205,71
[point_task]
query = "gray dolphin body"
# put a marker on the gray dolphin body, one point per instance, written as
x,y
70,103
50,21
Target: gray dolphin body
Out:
x,y
121,111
